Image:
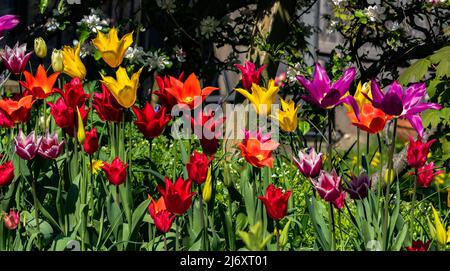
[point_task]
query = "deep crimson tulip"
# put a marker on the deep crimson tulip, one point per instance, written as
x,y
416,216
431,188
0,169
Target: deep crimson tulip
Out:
x,y
208,129
6,173
74,95
329,188
26,146
275,202
107,107
11,220
250,75
418,152
16,58
151,122
65,116
178,196
165,98
91,142
418,245
5,121
309,163
50,147
358,187
116,172
161,217
425,174
198,167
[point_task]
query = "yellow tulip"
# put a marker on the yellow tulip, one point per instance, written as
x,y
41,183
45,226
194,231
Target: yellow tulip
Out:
x,y
261,98
40,47
207,189
287,117
57,61
123,89
111,48
73,66
96,166
439,231
359,97
81,134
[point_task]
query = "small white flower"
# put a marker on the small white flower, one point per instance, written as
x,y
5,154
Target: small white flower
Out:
x,y
167,5
372,13
156,61
209,26
338,2
51,24
180,54
93,21
135,55
292,72
393,26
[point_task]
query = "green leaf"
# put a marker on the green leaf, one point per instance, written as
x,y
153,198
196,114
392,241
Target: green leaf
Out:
x,y
284,234
43,4
304,127
415,72
138,215
431,117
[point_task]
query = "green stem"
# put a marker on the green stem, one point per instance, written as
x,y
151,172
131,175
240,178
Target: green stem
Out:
x,y
330,147
413,204
358,150
202,218
177,236
332,231
36,208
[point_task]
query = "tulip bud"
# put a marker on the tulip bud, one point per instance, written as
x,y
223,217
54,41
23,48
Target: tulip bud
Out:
x,y
11,220
57,61
40,47
207,189
386,176
81,134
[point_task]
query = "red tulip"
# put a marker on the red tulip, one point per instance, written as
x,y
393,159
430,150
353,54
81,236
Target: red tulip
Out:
x,y
107,107
208,129
6,173
418,245
74,95
17,111
275,202
250,75
165,98
198,167
425,174
418,152
161,217
151,122
116,172
11,220
65,115
177,197
5,121
91,142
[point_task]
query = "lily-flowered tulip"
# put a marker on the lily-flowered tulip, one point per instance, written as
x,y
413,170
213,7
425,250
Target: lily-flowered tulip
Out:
x,y
208,128
437,230
309,163
258,152
65,116
358,187
40,47
258,135
6,173
188,92
90,144
111,48
16,58
50,147
329,188
26,146
74,95
178,196
261,98
5,121
325,94
407,104
165,98
418,245
425,174
123,88
57,60
116,172
276,202
12,219
40,86
151,122
418,152
107,107
287,116
198,167
8,22
17,111
73,66
81,133
250,75
161,217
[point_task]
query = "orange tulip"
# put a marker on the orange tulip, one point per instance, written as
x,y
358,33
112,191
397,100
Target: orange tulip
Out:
x,y
40,86
258,152
17,111
371,119
187,92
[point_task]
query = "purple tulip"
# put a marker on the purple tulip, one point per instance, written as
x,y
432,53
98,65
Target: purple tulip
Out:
x,y
325,94
329,188
50,148
8,22
309,163
15,59
407,104
26,147
358,187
